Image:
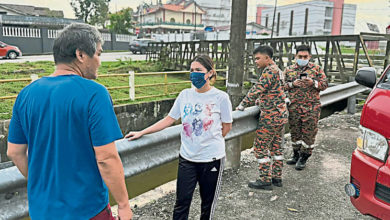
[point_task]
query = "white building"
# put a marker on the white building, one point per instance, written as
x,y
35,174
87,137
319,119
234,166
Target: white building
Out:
x,y
175,17
331,17
217,12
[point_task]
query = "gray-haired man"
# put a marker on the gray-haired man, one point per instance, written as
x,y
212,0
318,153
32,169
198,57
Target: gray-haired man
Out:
x,y
67,124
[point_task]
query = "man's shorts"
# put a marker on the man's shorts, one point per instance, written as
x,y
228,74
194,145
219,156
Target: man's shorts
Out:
x,y
105,214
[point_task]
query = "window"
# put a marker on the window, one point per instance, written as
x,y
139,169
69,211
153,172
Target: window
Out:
x,y
385,82
172,20
188,21
328,12
328,24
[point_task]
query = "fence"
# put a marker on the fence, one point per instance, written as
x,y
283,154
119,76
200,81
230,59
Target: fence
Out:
x,y
207,36
131,86
106,36
124,38
41,40
21,32
53,33
338,63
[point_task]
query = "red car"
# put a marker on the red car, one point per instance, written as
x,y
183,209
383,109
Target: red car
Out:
x,y
9,51
369,187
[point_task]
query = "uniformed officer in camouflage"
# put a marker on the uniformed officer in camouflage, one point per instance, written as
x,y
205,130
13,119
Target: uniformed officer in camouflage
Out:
x,y
303,81
269,94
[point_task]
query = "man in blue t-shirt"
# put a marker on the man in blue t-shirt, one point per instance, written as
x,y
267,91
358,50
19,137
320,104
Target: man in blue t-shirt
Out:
x,y
62,132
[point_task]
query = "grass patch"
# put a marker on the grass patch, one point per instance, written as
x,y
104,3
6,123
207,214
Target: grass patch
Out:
x,y
45,68
351,50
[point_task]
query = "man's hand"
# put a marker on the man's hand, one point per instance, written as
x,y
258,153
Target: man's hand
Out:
x,y
308,82
111,169
124,212
133,135
298,83
240,108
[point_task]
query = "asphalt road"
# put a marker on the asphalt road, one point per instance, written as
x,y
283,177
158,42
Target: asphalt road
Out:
x,y
104,57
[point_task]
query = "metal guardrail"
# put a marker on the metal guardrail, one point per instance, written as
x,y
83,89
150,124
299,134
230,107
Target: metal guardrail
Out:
x,y
336,93
150,151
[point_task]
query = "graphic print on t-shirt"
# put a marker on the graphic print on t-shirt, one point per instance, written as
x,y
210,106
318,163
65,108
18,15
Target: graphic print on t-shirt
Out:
x,y
197,126
198,109
187,110
197,119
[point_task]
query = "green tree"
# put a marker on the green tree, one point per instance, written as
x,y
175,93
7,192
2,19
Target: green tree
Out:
x,y
91,11
121,21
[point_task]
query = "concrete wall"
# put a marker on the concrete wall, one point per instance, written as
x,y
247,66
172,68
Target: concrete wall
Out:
x,y
139,116
133,117
26,45
120,46
3,140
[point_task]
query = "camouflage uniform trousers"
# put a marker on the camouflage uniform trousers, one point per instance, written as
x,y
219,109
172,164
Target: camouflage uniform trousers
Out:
x,y
303,129
269,142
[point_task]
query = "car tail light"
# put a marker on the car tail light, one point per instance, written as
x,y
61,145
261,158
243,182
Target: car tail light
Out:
x,y
372,144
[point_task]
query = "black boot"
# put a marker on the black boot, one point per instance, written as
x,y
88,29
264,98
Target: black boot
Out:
x,y
277,182
294,159
258,184
301,164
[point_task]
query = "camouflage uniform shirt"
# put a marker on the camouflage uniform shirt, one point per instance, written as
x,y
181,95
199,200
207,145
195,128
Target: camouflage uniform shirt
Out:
x,y
270,96
305,99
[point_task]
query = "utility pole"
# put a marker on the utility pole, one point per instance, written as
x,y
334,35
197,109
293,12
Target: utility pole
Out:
x,y
278,25
273,19
195,15
291,23
306,21
236,71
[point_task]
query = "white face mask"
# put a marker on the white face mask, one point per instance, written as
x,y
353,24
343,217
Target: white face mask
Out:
x,y
302,62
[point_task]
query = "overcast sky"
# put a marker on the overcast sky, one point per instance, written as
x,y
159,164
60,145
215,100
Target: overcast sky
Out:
x,y
372,11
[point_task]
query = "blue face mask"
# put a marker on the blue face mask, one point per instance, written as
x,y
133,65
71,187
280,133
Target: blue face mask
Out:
x,y
197,79
302,62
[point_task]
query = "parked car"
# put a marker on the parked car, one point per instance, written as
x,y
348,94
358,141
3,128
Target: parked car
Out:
x,y
369,187
9,51
140,45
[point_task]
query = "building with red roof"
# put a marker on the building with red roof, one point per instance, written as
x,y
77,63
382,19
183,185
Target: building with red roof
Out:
x,y
179,17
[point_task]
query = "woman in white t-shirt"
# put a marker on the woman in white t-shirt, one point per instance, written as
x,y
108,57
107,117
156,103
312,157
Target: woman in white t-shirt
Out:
x,y
206,115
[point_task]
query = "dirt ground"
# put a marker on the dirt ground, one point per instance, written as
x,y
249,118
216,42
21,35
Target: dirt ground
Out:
x,y
317,192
